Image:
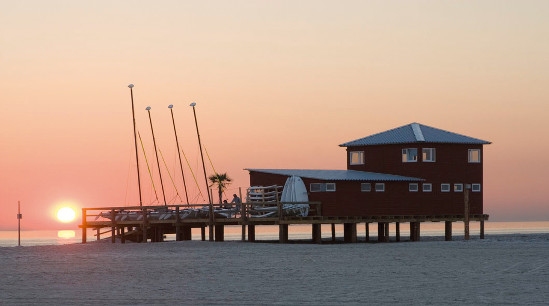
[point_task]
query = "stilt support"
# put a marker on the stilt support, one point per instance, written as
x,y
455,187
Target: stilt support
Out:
x,y
283,233
367,228
349,232
203,233
397,231
481,229
448,230
186,233
317,233
333,232
122,235
219,232
251,233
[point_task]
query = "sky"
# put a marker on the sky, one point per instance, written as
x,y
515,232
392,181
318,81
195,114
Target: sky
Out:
x,y
278,84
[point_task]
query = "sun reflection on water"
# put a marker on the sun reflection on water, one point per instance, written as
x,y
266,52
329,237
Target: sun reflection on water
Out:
x,y
67,234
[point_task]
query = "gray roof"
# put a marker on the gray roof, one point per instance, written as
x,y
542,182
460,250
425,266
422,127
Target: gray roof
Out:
x,y
414,133
338,175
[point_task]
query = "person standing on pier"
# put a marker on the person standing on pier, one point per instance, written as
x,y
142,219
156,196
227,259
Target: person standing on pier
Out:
x,y
236,200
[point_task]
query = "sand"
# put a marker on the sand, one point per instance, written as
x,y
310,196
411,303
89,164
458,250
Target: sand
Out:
x,y
505,269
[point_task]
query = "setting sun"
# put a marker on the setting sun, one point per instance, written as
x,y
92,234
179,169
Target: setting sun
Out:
x,y
66,214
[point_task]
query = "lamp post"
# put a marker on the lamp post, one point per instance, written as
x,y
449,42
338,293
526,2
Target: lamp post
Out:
x,y
179,154
156,152
135,142
205,175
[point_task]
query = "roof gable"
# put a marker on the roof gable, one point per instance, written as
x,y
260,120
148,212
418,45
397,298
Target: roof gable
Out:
x,y
414,133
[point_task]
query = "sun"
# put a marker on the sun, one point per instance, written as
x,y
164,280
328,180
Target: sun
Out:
x,y
66,214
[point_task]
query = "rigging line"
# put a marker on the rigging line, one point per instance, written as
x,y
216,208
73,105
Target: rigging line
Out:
x,y
194,177
170,175
216,174
128,181
147,162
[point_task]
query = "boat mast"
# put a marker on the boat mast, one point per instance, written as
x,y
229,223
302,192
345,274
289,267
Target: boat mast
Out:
x,y
155,151
179,154
135,141
201,155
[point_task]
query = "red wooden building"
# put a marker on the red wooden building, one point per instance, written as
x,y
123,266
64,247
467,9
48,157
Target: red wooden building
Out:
x,y
410,170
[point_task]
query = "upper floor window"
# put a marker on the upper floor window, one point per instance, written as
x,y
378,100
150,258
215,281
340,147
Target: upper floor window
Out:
x,y
476,188
474,155
458,187
365,187
429,154
356,158
323,187
409,155
427,187
445,187
380,187
413,187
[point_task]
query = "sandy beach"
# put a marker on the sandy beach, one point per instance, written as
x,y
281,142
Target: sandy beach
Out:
x,y
501,269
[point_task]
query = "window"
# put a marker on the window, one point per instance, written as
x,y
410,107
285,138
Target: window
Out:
x,y
445,187
323,187
413,187
356,158
458,187
429,155
474,155
365,187
427,187
476,188
380,187
409,155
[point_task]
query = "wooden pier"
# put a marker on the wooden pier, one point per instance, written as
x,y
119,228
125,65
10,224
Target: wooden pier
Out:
x,y
151,223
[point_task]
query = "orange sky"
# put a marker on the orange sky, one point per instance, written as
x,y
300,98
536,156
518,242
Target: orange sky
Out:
x,y
278,84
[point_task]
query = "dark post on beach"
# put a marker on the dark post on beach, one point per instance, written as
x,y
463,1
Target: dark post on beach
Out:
x,y
466,212
19,217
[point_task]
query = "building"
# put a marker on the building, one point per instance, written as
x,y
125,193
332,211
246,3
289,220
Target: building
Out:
x,y
410,170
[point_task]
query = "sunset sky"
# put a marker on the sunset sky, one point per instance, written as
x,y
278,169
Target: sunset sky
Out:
x,y
278,84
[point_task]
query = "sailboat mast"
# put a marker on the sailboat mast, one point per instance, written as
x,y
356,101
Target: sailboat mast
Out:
x,y
135,141
201,155
156,152
179,154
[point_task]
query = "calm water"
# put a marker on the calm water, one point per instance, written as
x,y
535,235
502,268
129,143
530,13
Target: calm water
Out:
x,y
30,238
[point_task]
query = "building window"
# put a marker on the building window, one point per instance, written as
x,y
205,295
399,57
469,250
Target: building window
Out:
x,y
474,155
323,187
413,187
458,187
427,187
356,158
429,155
409,155
476,188
380,187
365,187
445,187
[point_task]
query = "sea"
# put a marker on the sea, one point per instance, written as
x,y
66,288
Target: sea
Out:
x,y
296,232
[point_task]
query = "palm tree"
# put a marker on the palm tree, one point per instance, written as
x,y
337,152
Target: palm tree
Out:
x,y
221,180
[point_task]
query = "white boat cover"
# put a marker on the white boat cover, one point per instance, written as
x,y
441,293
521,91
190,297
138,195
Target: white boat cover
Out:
x,y
295,191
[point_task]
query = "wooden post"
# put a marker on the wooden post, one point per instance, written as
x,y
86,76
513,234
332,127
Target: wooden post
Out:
x,y
466,213
203,233
98,233
19,217
211,217
386,232
448,230
177,217
413,231
367,226
122,235
333,232
283,233
113,226
397,225
145,227
251,232
243,216
380,232
219,232
186,233
418,231
317,233
481,229
84,225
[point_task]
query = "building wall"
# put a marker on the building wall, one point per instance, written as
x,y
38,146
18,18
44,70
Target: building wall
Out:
x,y
348,200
